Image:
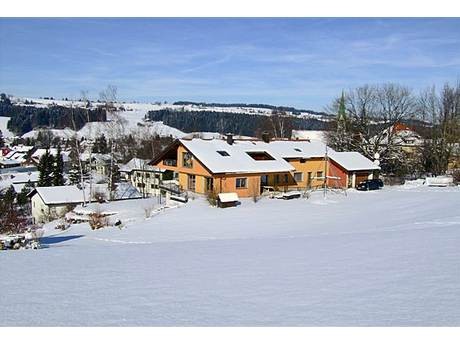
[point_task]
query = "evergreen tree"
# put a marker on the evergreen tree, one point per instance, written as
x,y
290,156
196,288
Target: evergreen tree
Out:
x,y
21,197
58,168
45,168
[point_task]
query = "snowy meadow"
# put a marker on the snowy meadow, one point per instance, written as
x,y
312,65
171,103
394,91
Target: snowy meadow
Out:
x,y
380,258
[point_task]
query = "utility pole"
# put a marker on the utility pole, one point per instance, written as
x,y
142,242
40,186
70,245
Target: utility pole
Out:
x,y
325,173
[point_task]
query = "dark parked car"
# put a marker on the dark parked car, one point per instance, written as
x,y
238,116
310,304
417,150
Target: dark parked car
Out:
x,y
370,184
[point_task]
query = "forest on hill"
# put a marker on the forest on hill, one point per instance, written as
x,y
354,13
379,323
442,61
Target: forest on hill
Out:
x,y
295,111
236,123
25,118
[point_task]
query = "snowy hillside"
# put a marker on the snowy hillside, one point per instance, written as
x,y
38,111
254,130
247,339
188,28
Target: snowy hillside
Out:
x,y
134,114
3,123
384,258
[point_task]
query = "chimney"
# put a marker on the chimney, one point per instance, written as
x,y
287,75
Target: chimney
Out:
x,y
266,137
230,139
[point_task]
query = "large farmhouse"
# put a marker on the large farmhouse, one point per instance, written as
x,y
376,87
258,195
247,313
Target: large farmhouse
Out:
x,y
247,166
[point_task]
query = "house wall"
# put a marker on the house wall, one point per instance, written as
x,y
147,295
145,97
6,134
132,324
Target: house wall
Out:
x,y
311,165
335,170
43,213
227,184
146,181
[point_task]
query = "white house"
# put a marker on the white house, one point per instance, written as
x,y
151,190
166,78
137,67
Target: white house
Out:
x,y
143,176
49,203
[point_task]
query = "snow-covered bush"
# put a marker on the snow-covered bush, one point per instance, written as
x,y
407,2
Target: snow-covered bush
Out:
x,y
98,220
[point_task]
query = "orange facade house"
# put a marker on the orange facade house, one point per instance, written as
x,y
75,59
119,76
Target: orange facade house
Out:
x,y
247,166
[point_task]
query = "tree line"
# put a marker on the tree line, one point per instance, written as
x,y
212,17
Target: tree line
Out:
x,y
25,118
366,114
295,111
226,122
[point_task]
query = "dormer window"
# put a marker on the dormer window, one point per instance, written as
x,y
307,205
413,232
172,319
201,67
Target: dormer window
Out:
x,y
223,153
260,156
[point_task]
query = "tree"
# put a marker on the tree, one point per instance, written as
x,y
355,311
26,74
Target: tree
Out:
x,y
58,168
45,168
100,145
442,110
366,121
11,218
21,197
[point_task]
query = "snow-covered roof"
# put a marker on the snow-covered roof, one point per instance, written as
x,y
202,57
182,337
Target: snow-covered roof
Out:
x,y
235,158
228,197
53,151
25,177
137,164
352,161
22,148
6,162
60,194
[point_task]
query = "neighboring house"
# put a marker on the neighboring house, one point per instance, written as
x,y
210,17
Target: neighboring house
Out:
x,y
143,176
35,157
49,203
4,151
9,163
100,162
247,166
19,180
401,135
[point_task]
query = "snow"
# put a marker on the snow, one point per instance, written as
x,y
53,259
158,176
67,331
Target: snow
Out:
x,y
3,127
237,160
60,194
380,258
228,197
309,135
66,133
353,161
138,164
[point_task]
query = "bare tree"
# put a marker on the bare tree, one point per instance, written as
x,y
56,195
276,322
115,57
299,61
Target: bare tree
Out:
x,y
371,112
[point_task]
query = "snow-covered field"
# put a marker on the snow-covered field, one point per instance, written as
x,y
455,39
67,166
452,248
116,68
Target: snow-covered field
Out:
x,y
382,258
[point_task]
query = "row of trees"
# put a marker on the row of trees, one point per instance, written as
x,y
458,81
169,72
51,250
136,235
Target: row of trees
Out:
x,y
26,118
365,114
236,123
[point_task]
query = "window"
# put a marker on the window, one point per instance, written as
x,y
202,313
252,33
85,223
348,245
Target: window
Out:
x,y
147,175
209,184
191,182
309,178
298,176
223,153
187,160
319,174
277,179
241,182
260,156
153,186
286,178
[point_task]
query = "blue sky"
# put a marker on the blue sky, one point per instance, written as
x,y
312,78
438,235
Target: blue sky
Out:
x,y
298,62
